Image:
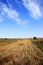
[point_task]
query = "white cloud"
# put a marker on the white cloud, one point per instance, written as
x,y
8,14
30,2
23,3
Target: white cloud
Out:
x,y
11,14
33,7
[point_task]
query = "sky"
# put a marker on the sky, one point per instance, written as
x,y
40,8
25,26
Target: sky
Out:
x,y
21,18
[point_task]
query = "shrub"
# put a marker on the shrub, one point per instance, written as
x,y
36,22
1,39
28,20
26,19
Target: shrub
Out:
x,y
34,38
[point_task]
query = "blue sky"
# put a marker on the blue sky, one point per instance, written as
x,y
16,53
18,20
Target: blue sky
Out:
x,y
21,18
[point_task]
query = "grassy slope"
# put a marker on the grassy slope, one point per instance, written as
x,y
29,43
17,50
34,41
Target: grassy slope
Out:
x,y
20,52
38,43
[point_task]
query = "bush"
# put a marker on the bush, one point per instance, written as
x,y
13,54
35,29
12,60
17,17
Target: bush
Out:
x,y
34,38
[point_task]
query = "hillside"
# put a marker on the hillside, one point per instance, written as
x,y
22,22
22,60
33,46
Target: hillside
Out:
x,y
21,52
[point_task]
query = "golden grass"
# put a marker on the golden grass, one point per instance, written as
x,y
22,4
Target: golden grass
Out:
x,y
20,52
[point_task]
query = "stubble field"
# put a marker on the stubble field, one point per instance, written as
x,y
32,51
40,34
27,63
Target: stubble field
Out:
x,y
21,52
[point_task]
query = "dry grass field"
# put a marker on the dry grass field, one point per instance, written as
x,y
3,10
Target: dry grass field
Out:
x,y
21,52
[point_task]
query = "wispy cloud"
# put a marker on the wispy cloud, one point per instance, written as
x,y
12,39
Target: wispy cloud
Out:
x,y
11,14
33,7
